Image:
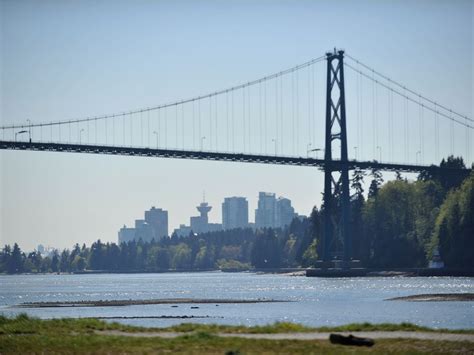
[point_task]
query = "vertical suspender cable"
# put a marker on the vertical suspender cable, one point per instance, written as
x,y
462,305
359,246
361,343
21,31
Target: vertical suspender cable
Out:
x,y
210,122
293,111
436,134
243,116
361,147
250,120
260,114
194,127
406,127
358,114
199,123
265,129
182,126
232,119
166,127
276,116
297,112
227,117
309,105
281,116
217,131
131,130
176,125
313,99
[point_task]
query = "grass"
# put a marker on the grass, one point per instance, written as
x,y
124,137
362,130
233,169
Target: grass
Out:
x,y
23,324
30,335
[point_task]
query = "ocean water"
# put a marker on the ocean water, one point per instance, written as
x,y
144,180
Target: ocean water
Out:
x,y
309,301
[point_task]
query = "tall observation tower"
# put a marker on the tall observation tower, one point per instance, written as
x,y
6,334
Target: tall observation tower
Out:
x,y
204,209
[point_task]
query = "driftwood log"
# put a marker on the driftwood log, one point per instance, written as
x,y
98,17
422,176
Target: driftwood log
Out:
x,y
350,340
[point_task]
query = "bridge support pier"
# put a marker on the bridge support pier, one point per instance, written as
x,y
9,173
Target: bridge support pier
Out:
x,y
336,203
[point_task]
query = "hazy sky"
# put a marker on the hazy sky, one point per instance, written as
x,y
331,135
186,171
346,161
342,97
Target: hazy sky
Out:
x,y
65,59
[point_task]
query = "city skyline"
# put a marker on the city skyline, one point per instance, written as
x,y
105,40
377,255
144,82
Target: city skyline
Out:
x,y
237,215
58,62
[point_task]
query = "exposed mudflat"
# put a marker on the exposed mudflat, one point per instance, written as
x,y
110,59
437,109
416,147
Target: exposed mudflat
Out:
x,y
436,297
118,303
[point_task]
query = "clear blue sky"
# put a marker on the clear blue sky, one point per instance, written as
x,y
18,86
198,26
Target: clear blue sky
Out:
x,y
65,59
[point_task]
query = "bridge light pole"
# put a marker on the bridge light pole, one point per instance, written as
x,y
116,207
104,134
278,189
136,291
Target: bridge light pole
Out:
x,y
418,153
202,142
316,150
379,149
275,142
157,139
80,135
29,130
21,132
355,152
308,150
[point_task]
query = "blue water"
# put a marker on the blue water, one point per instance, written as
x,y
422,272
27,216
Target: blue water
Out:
x,y
313,301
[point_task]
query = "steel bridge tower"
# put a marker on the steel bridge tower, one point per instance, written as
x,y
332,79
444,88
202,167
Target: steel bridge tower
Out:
x,y
336,201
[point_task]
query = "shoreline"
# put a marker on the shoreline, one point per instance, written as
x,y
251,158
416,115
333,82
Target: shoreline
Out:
x,y
121,303
436,297
308,272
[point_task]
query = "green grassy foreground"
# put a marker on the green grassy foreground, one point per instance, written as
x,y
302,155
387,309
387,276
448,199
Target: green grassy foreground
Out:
x,y
29,335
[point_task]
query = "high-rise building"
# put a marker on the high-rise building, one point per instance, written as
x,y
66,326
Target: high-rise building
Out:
x,y
235,213
126,234
143,231
199,224
284,212
158,220
265,214
182,231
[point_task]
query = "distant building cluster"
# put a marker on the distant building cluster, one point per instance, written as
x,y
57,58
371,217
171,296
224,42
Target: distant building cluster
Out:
x,y
271,212
154,226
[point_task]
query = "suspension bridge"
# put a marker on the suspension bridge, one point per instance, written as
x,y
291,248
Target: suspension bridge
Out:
x,y
296,116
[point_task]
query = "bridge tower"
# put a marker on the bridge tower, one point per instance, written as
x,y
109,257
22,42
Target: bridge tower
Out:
x,y
336,176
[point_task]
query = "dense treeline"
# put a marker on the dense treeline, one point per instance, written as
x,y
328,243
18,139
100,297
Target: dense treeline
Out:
x,y
399,224
235,249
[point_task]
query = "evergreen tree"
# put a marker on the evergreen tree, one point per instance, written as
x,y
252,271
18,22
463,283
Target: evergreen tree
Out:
x,y
55,261
15,262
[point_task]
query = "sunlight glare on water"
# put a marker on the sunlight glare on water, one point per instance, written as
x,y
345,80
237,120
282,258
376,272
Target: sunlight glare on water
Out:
x,y
311,301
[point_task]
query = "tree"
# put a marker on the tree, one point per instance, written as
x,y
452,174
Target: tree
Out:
x,y
5,257
390,226
310,256
78,264
15,262
266,250
55,261
376,182
454,227
359,245
96,258
180,256
448,178
64,263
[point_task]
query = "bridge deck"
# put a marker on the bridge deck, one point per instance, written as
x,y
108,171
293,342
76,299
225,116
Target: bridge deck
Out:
x,y
206,155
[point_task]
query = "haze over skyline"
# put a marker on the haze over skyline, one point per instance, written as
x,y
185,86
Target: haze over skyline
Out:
x,y
62,60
